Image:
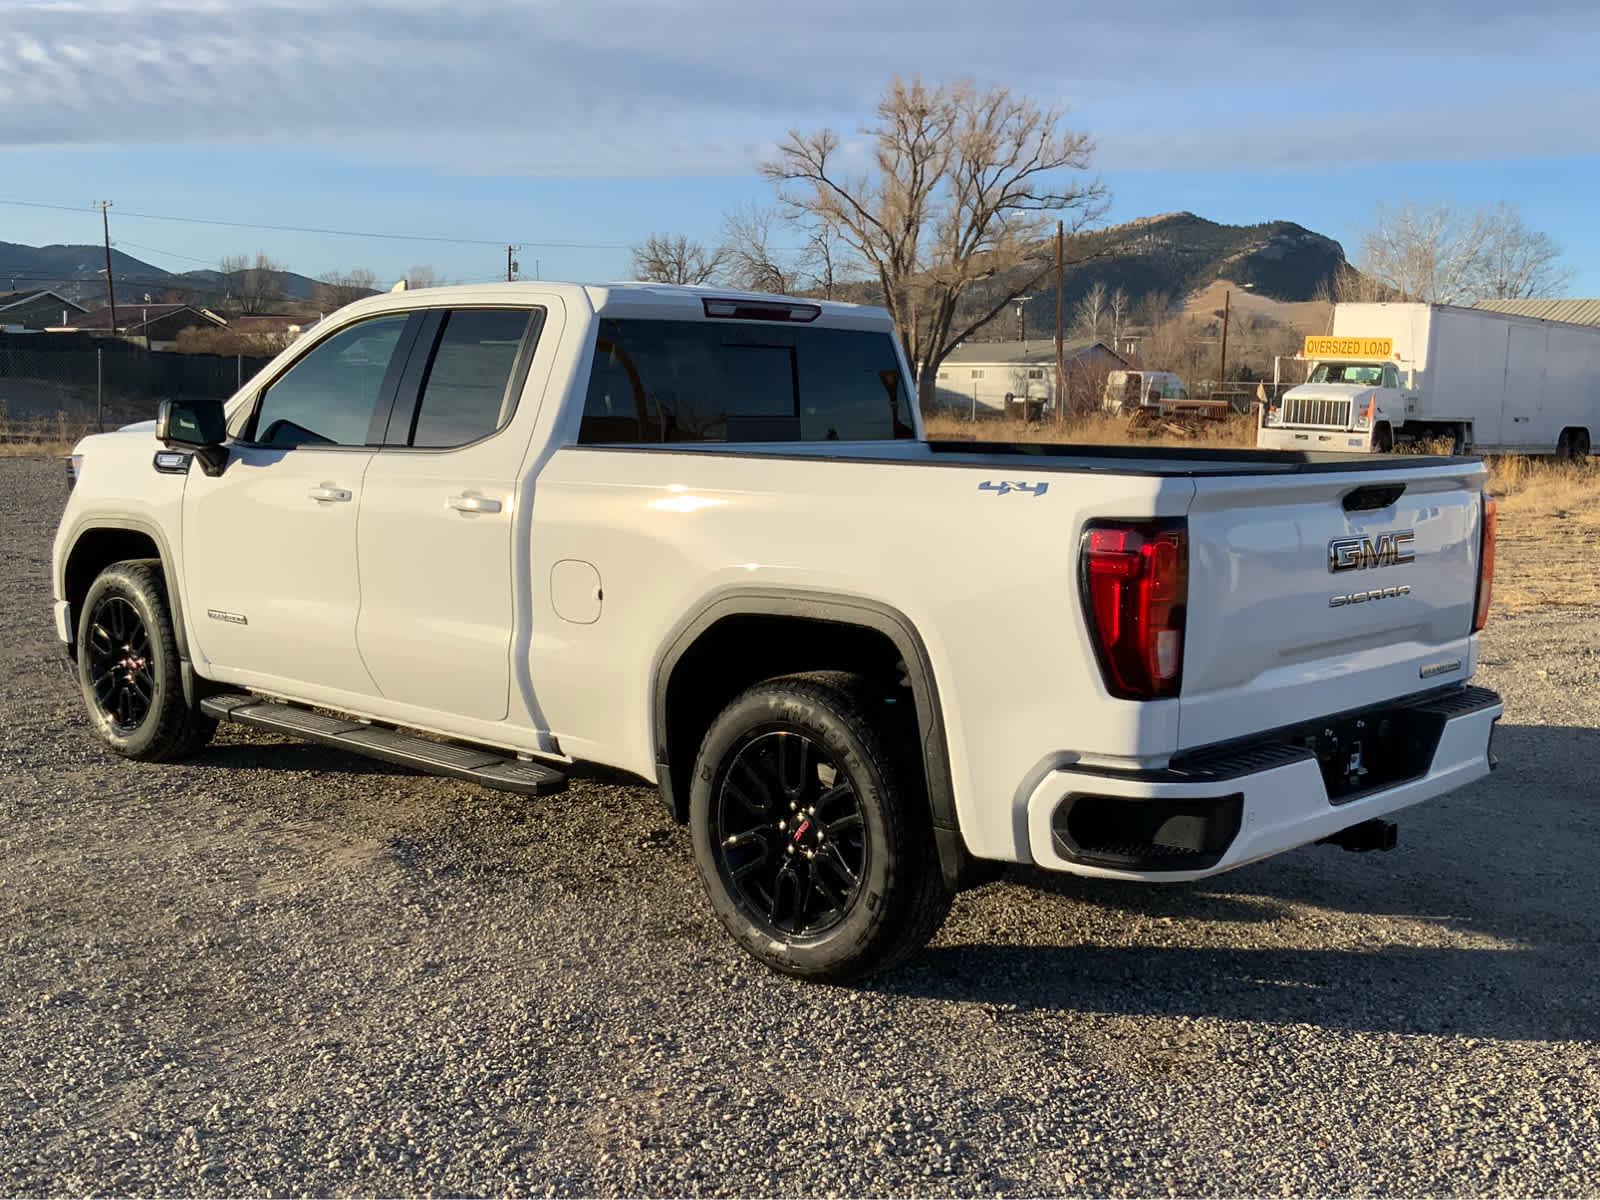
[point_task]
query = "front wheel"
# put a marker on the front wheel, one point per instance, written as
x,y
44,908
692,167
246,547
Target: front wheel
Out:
x,y
817,856
128,667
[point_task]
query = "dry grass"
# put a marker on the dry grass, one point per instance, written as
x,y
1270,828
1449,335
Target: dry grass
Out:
x,y
40,437
1549,543
1549,538
1096,429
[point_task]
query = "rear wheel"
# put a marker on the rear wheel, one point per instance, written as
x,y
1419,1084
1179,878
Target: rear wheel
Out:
x,y
128,667
817,854
1573,446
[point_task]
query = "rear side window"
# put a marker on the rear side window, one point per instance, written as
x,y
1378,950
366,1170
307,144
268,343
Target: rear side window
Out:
x,y
466,394
703,381
327,398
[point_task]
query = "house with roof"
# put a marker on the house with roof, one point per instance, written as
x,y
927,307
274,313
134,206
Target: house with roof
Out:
x,y
980,377
36,310
154,325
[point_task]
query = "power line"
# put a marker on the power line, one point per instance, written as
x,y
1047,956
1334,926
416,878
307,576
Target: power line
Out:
x,y
165,253
393,237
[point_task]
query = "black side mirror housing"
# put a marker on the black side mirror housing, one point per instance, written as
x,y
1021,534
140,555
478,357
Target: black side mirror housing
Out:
x,y
199,426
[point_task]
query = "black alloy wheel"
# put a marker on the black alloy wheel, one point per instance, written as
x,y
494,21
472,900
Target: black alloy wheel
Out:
x,y
130,670
121,672
812,832
790,835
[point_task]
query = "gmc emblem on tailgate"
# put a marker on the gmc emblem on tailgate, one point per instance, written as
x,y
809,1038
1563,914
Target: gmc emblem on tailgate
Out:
x,y
1363,553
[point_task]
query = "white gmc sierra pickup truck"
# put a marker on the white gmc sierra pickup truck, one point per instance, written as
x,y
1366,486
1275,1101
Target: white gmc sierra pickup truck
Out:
x,y
699,537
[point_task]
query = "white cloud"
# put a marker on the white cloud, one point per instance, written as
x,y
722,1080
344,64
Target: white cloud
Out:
x,y
672,87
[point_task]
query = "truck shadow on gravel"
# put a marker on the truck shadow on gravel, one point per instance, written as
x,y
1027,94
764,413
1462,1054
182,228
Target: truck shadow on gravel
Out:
x,y
1482,924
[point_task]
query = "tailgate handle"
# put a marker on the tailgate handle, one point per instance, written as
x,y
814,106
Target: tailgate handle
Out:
x,y
1373,496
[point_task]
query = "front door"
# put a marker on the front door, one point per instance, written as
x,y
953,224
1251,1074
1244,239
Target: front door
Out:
x,y
269,546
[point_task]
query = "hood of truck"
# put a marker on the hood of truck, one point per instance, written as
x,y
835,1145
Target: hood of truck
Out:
x,y
1320,594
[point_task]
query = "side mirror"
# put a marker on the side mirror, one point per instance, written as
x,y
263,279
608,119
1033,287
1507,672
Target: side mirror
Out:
x,y
198,426
191,424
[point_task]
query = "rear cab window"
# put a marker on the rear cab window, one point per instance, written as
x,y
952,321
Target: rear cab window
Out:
x,y
663,381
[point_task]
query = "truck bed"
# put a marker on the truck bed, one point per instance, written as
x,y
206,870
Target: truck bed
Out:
x,y
1159,462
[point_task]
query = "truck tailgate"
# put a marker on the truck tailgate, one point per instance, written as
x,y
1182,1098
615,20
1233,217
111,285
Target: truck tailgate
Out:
x,y
1311,595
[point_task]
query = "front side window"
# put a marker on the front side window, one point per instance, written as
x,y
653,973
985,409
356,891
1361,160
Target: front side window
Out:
x,y
699,381
466,395
328,397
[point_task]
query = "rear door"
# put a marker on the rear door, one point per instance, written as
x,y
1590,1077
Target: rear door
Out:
x,y
439,506
1315,594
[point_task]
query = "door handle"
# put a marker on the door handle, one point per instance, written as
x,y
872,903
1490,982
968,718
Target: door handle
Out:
x,y
473,504
327,492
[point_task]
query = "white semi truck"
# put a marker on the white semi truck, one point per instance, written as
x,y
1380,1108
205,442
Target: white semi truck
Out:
x,y
1491,382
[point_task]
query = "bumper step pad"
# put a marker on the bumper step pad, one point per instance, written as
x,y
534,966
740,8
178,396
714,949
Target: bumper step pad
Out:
x,y
475,764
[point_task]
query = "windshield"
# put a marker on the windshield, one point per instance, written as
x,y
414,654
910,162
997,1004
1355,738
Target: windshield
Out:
x,y
1365,374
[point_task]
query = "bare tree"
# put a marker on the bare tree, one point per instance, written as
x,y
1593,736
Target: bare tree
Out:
x,y
674,258
752,261
1153,309
253,286
1350,286
1519,263
822,254
1120,306
336,289
423,277
956,191
1092,309
1442,255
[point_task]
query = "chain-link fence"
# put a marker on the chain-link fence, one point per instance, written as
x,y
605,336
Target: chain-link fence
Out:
x,y
56,385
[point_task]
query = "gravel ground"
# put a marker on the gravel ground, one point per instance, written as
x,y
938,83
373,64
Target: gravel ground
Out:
x,y
278,969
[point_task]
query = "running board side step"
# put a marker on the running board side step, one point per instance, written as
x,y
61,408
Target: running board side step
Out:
x,y
475,764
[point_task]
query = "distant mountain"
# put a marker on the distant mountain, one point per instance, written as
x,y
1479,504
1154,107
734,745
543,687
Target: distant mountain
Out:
x,y
1180,253
79,273
1176,256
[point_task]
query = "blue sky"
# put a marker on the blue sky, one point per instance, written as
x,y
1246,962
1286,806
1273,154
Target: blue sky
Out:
x,y
577,127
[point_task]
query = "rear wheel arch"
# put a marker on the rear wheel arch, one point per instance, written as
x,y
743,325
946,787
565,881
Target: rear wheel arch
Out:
x,y
742,638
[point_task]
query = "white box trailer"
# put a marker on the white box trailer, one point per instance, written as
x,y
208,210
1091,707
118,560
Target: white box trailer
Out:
x,y
1490,382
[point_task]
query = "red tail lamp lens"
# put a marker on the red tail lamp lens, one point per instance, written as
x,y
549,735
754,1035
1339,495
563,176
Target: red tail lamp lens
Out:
x,y
1491,523
1135,580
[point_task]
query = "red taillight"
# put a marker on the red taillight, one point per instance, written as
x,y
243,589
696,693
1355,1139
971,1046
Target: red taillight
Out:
x,y
1135,579
1491,522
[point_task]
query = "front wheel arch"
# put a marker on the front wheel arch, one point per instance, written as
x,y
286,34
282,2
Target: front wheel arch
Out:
x,y
130,671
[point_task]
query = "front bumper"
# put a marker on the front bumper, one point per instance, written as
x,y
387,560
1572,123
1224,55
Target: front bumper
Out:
x,y
1280,437
1229,807
63,615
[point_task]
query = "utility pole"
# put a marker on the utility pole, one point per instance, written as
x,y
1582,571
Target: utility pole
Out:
x,y
1061,371
111,290
511,263
1222,367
